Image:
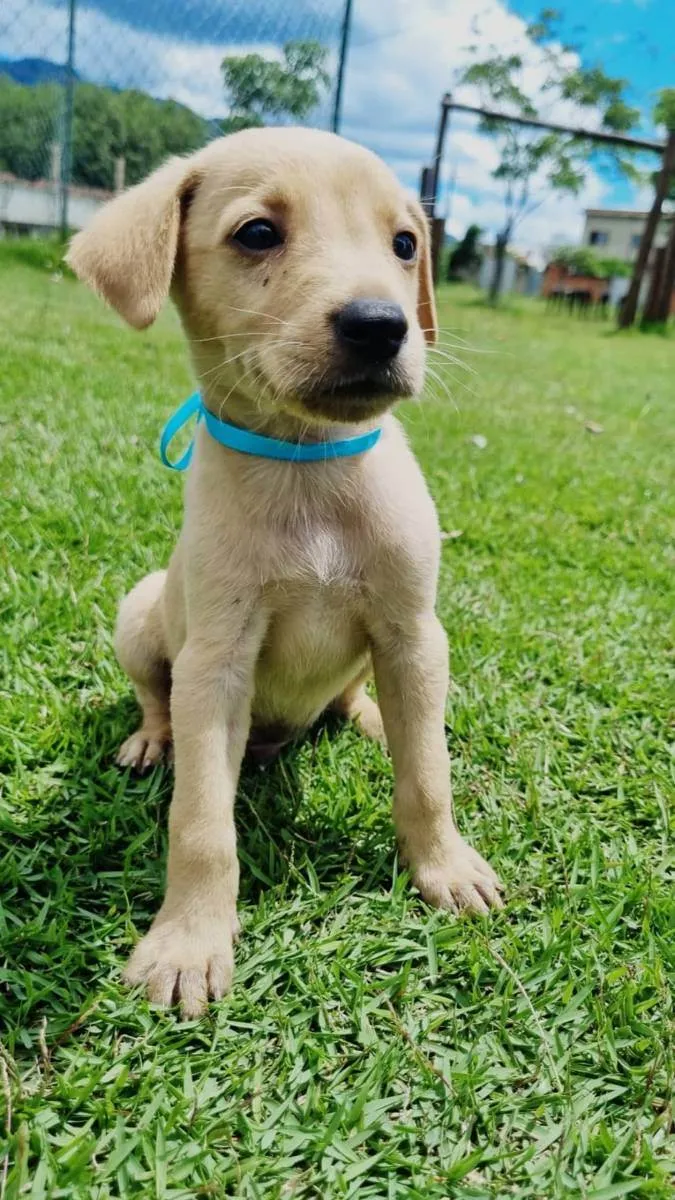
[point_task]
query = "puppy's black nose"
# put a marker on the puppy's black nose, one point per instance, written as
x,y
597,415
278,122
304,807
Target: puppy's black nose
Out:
x,y
373,329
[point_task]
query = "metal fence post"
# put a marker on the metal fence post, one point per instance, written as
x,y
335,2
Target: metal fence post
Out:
x,y
342,62
67,133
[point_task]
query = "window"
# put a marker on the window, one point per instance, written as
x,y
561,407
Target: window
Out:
x,y
635,241
598,238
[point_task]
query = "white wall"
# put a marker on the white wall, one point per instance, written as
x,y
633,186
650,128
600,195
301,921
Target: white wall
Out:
x,y
620,233
39,207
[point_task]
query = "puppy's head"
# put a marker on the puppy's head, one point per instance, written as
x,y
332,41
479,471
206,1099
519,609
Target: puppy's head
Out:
x,y
298,264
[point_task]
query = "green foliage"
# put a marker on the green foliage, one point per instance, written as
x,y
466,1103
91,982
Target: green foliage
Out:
x,y
496,77
664,109
107,124
371,1047
259,87
98,127
154,129
664,114
235,122
465,254
579,259
591,88
28,124
584,261
614,268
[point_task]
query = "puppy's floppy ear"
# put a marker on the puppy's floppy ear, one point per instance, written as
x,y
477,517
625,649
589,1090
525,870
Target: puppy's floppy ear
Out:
x,y
426,301
127,253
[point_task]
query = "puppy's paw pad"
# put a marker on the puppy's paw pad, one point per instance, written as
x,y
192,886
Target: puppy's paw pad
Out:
x,y
144,750
465,882
184,963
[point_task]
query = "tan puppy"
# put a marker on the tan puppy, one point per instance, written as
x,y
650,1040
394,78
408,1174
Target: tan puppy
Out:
x,y
301,273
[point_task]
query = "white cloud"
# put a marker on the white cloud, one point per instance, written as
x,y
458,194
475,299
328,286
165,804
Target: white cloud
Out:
x,y
396,105
399,65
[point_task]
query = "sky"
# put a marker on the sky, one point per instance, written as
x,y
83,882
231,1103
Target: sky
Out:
x,y
403,56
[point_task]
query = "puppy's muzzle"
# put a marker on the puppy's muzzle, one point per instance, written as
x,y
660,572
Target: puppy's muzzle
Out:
x,y
370,332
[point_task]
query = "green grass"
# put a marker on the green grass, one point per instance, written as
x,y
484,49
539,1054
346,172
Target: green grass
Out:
x,y
371,1047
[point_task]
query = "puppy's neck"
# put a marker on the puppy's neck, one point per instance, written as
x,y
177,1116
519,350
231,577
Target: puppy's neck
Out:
x,y
242,411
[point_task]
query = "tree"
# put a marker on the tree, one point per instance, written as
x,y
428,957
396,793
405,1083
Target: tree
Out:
x,y
97,135
664,114
664,109
259,87
107,125
28,126
530,162
152,129
465,254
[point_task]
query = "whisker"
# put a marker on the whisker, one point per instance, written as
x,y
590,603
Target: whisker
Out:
x,y
453,361
444,387
280,345
221,365
453,341
252,312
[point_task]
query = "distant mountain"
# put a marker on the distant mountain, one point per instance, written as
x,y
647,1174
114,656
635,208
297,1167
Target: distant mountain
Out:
x,y
33,70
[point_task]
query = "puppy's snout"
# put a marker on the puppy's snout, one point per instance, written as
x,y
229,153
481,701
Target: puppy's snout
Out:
x,y
374,330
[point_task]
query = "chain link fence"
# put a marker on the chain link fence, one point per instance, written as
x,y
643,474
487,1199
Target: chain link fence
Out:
x,y
94,95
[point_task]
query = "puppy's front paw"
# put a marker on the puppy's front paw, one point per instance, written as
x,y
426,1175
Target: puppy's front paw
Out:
x,y
185,961
462,882
144,749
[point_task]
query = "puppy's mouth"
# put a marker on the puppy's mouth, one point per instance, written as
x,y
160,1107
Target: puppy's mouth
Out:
x,y
355,397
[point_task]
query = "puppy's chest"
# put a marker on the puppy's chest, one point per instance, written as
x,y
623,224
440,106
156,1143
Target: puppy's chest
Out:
x,y
314,594
313,558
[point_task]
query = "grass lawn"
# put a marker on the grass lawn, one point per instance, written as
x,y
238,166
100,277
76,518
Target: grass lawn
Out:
x,y
371,1047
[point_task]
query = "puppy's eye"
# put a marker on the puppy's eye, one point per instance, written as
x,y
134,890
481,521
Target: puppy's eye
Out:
x,y
405,246
258,236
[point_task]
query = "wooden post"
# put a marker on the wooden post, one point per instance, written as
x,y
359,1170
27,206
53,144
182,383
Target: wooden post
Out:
x,y
668,277
438,152
55,162
342,64
629,307
650,313
426,190
433,184
437,236
67,145
120,171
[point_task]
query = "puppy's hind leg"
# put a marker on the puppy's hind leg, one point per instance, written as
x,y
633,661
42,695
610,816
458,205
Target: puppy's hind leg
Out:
x,y
141,650
356,705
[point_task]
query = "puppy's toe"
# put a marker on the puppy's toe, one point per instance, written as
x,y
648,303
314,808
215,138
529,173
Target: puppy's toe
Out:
x,y
160,985
464,883
143,750
185,962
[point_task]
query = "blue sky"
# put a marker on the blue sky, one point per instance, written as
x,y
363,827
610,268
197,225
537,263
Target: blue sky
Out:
x,y
403,57
634,39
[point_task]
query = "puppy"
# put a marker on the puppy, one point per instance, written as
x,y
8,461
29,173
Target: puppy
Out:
x,y
300,269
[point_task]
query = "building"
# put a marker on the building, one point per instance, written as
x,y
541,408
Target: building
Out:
x,y
617,232
560,280
522,273
34,206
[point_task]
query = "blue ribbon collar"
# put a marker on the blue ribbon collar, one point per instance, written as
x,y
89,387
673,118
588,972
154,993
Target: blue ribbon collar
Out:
x,y
257,444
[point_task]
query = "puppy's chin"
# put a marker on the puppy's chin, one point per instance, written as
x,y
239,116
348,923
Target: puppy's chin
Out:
x,y
347,400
